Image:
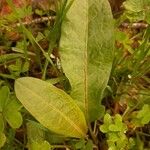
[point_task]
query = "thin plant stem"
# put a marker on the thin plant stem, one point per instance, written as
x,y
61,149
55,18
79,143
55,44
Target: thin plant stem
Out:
x,y
95,140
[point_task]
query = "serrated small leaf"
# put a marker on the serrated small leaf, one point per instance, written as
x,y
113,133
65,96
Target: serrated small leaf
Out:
x,y
107,121
117,125
51,106
104,128
114,128
118,119
113,137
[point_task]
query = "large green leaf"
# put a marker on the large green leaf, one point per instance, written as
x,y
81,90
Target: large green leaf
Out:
x,y
86,51
51,106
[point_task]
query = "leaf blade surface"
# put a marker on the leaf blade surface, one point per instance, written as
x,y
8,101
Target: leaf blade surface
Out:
x,y
51,106
86,51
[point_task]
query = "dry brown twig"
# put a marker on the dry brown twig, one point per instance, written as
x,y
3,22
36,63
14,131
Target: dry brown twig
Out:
x,y
137,25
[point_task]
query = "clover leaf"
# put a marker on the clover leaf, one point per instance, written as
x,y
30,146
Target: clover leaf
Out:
x,y
107,121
